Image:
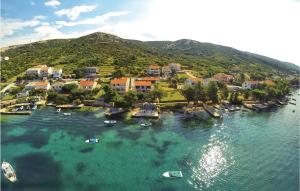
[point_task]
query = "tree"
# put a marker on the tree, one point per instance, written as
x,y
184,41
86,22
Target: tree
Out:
x,y
68,88
156,94
200,93
213,92
258,94
79,72
188,93
130,98
108,93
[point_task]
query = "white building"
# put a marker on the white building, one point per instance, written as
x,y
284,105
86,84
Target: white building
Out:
x,y
153,70
175,67
57,73
57,86
40,71
249,84
88,85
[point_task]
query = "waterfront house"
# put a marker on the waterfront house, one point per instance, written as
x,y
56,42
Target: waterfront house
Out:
x,y
166,71
153,70
192,81
249,84
143,86
121,85
88,85
38,86
45,71
175,67
57,73
221,77
151,79
57,86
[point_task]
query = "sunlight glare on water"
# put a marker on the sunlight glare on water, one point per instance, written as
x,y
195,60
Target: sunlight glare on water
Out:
x,y
215,158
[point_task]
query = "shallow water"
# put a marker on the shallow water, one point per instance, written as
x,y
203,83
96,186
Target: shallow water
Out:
x,y
241,151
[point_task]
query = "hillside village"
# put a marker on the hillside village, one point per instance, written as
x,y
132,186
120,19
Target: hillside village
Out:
x,y
169,86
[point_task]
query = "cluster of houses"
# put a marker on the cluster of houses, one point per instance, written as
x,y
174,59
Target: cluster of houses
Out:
x,y
124,84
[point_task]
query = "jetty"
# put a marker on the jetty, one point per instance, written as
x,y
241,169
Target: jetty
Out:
x,y
213,112
147,110
69,106
115,112
15,112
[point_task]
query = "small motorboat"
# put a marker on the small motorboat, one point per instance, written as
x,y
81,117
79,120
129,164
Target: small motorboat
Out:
x,y
8,171
110,122
21,108
67,114
172,174
34,107
58,110
145,124
92,141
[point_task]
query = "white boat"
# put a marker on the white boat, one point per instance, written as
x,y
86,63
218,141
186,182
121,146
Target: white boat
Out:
x,y
110,122
58,110
21,108
8,171
34,107
173,174
67,114
92,141
145,124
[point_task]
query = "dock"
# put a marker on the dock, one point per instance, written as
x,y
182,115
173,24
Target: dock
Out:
x,y
115,112
69,106
213,112
15,113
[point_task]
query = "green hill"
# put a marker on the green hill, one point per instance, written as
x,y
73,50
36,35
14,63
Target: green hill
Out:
x,y
132,56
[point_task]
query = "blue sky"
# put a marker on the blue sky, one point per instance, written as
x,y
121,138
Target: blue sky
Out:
x,y
267,27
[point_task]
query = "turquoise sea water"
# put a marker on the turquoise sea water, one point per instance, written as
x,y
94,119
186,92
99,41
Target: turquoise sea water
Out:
x,y
241,151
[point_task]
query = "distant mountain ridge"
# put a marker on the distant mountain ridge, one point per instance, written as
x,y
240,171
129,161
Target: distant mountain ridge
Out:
x,y
106,49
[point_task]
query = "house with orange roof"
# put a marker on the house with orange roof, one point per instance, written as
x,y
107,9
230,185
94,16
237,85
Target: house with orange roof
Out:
x,y
153,70
151,79
221,77
121,85
88,85
193,81
269,82
250,84
38,86
143,86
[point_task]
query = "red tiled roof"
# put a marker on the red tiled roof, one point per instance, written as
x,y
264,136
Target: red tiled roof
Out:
x,y
154,67
40,83
142,83
196,79
150,79
86,83
119,81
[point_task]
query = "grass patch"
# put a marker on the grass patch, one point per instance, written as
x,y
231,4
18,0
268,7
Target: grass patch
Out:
x,y
170,94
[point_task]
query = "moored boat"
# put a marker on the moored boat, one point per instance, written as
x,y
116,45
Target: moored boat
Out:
x,y
92,140
110,122
67,114
145,124
58,110
34,107
8,171
173,174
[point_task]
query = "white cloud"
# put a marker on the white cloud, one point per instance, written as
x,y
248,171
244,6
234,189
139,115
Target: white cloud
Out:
x,y
95,20
268,27
74,12
52,3
10,26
